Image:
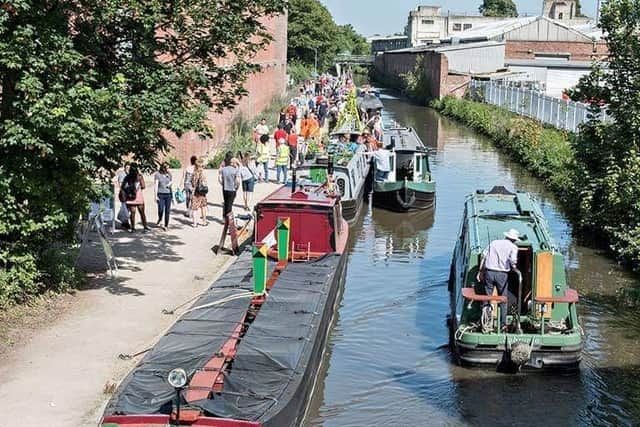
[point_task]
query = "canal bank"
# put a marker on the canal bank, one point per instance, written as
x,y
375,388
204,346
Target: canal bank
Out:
x,y
388,361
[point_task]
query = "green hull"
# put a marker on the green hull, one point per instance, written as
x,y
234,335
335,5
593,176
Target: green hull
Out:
x,y
404,196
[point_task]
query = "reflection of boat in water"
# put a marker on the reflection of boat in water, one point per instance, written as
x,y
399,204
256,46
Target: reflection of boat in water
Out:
x,y
404,234
410,185
542,329
249,359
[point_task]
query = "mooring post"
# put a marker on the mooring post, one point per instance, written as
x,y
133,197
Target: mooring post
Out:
x,y
260,252
284,226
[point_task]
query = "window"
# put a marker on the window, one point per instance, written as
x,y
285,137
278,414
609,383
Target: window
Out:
x,y
561,16
467,26
427,22
457,27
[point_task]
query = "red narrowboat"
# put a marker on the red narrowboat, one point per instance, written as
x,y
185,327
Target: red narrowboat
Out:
x,y
241,357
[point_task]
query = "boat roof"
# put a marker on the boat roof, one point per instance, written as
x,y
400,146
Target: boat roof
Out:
x,y
491,214
406,139
314,196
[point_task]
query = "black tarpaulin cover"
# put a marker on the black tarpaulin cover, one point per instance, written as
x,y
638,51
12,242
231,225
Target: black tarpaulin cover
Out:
x,y
274,368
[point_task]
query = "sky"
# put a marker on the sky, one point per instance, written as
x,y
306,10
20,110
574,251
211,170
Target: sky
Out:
x,y
386,17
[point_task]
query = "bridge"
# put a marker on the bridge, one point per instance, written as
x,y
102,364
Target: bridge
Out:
x,y
363,60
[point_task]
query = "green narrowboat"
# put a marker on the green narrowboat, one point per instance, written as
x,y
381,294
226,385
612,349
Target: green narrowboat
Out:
x,y
410,186
542,330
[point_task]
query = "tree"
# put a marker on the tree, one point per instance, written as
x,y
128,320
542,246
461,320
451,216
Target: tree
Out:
x,y
506,8
608,154
84,84
579,9
312,30
350,41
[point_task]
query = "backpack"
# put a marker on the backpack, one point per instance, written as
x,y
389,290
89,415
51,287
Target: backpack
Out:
x,y
129,190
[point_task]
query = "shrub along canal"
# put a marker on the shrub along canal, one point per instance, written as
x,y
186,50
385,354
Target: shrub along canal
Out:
x,y
388,361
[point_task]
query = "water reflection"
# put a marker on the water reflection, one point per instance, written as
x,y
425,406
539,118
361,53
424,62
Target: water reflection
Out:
x,y
390,364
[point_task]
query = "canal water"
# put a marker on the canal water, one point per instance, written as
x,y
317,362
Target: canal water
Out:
x,y
388,362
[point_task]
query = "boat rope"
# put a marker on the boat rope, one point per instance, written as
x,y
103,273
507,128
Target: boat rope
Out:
x,y
220,301
464,329
486,319
173,310
122,356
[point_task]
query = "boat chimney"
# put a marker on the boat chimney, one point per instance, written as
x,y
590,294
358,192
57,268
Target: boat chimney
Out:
x,y
330,165
293,180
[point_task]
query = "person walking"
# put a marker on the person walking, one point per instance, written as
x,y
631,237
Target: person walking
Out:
x,y
200,191
497,260
292,140
163,194
132,187
263,153
229,177
187,185
261,129
282,160
248,173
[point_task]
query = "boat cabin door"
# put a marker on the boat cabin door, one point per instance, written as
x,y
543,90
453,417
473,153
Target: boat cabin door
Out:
x,y
392,167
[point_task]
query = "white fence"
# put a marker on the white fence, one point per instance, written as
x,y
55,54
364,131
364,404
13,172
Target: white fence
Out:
x,y
562,114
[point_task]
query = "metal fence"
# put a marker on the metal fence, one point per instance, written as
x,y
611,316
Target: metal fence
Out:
x,y
562,114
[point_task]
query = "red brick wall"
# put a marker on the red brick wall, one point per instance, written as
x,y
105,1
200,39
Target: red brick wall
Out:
x,y
579,51
391,67
262,87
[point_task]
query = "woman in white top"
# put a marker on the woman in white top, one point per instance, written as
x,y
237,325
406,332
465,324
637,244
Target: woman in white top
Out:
x,y
187,185
248,173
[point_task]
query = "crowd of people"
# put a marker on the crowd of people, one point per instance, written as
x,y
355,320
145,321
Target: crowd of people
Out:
x,y
313,113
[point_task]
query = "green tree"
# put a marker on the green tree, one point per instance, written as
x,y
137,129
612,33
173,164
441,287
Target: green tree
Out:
x,y
352,42
608,154
579,9
312,30
506,8
85,83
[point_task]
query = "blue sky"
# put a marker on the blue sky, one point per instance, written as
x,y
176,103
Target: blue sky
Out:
x,y
390,16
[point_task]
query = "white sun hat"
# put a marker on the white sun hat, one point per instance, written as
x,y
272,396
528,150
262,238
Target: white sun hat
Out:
x,y
512,234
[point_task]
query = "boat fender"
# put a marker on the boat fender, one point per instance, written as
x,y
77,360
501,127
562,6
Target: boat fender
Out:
x,y
520,353
405,205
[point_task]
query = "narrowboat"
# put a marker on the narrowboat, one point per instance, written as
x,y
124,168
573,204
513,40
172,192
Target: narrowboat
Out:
x,y
410,186
350,172
542,330
247,353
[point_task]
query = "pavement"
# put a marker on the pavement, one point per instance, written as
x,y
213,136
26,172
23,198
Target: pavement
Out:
x,y
63,373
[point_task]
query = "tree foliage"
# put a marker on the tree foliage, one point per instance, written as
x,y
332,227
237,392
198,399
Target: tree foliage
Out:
x,y
609,154
84,84
312,29
506,8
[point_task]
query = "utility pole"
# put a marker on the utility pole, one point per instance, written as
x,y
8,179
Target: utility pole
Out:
x,y
315,66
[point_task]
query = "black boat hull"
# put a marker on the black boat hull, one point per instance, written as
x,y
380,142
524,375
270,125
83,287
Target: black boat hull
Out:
x,y
351,208
394,201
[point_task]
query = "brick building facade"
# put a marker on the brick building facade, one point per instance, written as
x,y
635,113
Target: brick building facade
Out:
x,y
262,86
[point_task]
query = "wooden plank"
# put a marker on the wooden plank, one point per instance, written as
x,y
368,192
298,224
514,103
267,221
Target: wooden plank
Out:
x,y
544,278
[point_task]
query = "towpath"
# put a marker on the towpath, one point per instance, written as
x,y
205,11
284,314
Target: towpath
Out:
x,y
63,373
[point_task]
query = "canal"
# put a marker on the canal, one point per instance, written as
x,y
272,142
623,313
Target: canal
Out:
x,y
388,361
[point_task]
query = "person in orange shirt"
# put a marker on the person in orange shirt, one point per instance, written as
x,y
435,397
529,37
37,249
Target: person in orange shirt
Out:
x,y
304,127
314,127
292,139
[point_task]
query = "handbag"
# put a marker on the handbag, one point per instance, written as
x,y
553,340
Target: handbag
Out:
x,y
201,189
180,196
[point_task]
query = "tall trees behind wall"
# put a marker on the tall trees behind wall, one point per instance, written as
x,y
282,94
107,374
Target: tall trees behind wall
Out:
x,y
312,31
84,84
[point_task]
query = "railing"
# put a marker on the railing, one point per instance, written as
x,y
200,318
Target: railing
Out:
x,y
560,113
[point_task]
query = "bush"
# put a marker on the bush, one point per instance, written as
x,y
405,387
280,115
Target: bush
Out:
x,y
299,72
174,163
547,153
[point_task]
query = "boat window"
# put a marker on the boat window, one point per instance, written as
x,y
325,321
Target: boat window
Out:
x,y
341,186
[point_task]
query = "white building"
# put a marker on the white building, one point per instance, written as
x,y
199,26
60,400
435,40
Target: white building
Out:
x,y
426,24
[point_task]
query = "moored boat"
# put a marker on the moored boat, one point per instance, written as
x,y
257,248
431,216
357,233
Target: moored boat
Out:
x,y
250,346
542,330
410,185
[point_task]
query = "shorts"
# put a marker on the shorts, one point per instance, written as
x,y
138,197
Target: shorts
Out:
x,y
248,184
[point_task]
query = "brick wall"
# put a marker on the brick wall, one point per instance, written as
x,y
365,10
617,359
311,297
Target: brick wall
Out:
x,y
262,86
579,51
389,68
